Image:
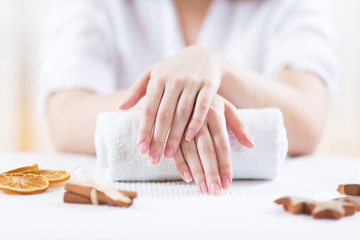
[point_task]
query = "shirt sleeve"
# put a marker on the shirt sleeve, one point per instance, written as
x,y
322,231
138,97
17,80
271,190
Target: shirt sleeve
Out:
x,y
301,36
78,51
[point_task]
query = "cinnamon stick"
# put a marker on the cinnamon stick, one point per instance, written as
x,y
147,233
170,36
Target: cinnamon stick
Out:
x,y
70,197
85,192
74,198
78,188
349,189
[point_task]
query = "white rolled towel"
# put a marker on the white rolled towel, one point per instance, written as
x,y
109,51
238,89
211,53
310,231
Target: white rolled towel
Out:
x,y
116,149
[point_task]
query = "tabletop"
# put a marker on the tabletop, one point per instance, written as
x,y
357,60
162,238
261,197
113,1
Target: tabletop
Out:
x,y
176,210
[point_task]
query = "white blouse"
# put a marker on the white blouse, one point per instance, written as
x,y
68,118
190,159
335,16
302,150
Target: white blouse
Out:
x,y
103,45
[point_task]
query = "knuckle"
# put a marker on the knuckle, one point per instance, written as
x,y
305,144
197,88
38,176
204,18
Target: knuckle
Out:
x,y
193,83
156,143
225,166
189,152
178,81
163,117
174,140
223,146
212,174
208,83
159,79
149,112
184,112
203,107
208,149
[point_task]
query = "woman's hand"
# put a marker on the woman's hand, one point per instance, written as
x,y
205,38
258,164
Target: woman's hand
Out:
x,y
207,158
178,93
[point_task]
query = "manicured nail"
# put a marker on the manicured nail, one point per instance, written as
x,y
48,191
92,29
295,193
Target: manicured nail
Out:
x,y
124,101
121,106
214,189
203,187
169,152
189,134
143,147
225,181
252,142
154,158
187,176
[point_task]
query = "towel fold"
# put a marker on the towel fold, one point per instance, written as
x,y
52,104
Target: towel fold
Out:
x,y
116,150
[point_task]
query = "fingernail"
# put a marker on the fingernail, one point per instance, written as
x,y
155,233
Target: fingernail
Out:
x,y
189,134
122,104
203,187
154,158
214,189
187,176
225,181
169,152
252,142
143,147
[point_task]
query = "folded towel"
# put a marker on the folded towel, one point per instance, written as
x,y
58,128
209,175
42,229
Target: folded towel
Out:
x,y
116,149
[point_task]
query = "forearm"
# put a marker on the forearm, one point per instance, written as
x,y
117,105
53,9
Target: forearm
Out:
x,y
301,97
72,118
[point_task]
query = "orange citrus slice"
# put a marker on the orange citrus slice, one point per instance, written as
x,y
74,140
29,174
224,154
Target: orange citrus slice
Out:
x,y
54,176
23,169
23,183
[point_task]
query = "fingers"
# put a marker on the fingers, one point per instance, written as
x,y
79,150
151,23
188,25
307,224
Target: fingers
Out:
x,y
191,156
136,91
217,127
208,158
181,118
163,122
237,126
203,103
147,118
182,166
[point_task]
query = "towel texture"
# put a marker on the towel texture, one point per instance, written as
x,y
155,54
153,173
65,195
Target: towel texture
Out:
x,y
116,150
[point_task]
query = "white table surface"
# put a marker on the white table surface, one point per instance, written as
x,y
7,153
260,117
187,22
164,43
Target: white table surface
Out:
x,y
175,210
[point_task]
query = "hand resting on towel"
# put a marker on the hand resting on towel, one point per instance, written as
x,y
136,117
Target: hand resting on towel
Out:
x,y
206,158
118,156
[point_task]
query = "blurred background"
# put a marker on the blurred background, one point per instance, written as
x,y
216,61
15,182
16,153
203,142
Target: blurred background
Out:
x,y
20,37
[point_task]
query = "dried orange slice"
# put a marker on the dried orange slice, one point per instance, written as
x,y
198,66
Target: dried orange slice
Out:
x,y
54,176
23,183
23,169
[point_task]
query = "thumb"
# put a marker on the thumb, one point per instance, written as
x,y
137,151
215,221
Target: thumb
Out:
x,y
236,125
136,91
